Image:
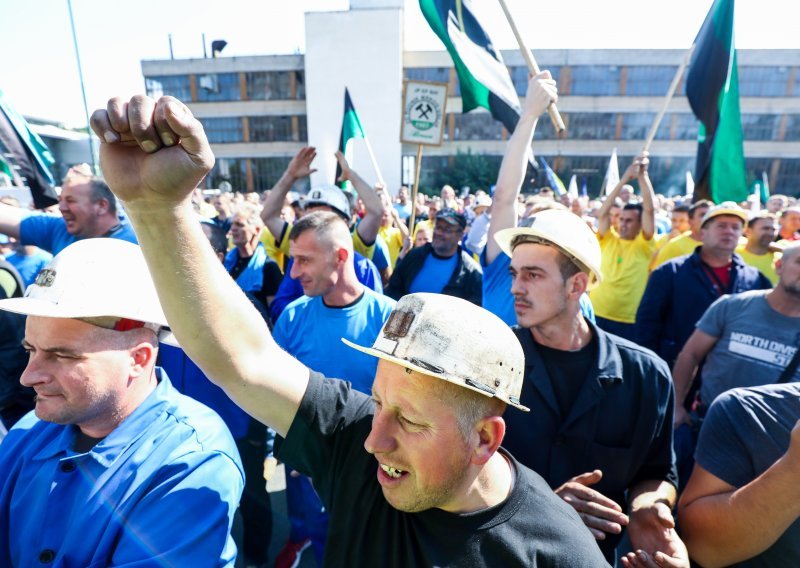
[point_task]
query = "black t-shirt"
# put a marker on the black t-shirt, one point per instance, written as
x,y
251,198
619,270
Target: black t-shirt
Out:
x,y
533,527
568,371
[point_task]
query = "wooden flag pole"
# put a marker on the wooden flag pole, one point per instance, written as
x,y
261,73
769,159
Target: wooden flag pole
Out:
x,y
558,123
670,92
413,217
374,161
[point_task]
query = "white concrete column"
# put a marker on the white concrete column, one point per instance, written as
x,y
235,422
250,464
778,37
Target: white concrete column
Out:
x,y
361,49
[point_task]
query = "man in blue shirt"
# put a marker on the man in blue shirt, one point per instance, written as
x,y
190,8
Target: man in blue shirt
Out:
x,y
336,305
113,466
88,209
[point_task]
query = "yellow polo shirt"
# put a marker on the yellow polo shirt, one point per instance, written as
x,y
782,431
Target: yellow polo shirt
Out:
x,y
394,241
625,270
764,262
679,246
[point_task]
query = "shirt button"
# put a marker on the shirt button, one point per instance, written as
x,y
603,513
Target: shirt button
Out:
x,y
46,556
68,466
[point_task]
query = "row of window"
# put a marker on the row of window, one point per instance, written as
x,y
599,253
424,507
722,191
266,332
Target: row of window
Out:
x,y
261,129
668,173
258,86
630,80
264,172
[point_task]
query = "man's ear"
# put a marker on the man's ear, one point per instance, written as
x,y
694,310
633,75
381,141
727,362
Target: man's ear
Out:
x,y
142,358
490,431
342,254
577,284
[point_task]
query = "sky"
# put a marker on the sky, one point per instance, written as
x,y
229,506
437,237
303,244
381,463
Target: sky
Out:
x,y
39,70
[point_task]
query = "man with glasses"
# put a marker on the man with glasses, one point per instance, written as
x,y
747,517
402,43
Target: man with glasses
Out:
x,y
441,266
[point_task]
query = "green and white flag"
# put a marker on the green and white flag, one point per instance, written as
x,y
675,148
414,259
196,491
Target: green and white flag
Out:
x,y
351,128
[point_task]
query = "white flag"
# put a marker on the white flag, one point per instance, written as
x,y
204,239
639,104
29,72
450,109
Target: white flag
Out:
x,y
612,174
573,186
689,184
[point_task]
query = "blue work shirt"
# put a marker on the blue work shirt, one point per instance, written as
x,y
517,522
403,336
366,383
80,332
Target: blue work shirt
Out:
x,y
160,490
49,232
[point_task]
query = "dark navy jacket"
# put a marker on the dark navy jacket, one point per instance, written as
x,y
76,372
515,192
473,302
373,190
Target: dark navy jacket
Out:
x,y
678,294
620,422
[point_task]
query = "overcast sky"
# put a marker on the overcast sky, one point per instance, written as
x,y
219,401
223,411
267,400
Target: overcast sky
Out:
x,y
39,69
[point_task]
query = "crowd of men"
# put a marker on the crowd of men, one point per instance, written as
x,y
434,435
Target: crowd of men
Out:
x,y
509,380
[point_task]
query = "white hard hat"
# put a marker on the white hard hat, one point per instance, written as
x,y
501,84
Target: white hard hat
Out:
x,y
95,279
331,196
565,231
452,339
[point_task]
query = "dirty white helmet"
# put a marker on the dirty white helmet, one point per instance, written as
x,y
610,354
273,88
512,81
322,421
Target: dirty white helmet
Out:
x,y
564,230
331,196
103,281
452,339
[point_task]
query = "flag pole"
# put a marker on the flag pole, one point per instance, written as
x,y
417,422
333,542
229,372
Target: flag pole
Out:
x,y
413,217
670,92
373,160
552,110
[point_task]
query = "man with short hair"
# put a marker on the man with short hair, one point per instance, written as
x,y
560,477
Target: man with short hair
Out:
x,y
335,305
687,242
626,254
581,381
88,209
247,262
415,476
441,266
760,232
114,466
680,291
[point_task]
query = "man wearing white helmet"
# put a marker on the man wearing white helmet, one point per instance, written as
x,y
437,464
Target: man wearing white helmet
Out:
x,y
113,466
599,433
413,477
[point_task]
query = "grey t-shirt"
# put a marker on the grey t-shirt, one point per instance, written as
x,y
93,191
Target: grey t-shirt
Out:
x,y
744,433
755,343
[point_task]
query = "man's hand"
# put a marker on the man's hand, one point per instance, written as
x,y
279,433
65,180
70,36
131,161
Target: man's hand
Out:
x,y
681,417
652,530
345,167
151,151
300,166
598,512
640,559
643,160
542,91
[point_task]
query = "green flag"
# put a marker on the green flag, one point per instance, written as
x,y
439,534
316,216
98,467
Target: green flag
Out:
x,y
351,128
5,168
712,88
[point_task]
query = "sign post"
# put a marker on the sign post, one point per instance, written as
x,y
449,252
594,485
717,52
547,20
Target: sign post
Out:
x,y
422,124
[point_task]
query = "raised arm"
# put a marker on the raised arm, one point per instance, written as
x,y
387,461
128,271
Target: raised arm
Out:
x,y
648,197
371,222
603,217
541,92
153,155
298,168
10,219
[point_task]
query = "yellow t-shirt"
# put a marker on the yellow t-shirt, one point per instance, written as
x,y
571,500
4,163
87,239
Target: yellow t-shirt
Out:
x,y
394,241
679,246
764,262
273,251
625,269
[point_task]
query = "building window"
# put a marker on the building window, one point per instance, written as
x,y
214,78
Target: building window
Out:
x,y
792,128
591,125
477,125
636,125
267,171
276,129
760,126
788,177
595,80
763,81
223,130
231,170
685,126
649,80
177,86
269,85
435,74
519,76
218,87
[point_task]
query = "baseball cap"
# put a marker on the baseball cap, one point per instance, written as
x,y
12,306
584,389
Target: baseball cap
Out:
x,y
452,216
